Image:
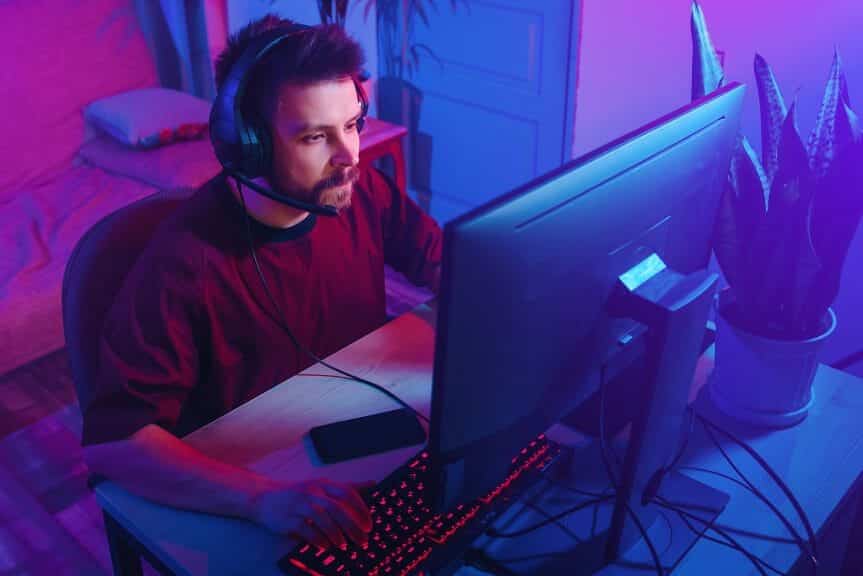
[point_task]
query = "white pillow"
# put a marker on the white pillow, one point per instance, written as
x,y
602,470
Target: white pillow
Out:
x,y
150,117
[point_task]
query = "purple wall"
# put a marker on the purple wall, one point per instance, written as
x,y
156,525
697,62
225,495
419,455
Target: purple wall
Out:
x,y
636,54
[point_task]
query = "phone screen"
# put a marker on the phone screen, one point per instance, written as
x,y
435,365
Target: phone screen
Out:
x,y
366,435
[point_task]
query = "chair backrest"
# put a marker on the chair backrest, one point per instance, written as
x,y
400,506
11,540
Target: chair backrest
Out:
x,y
94,274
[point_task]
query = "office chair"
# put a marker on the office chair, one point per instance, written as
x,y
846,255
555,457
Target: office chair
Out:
x,y
93,276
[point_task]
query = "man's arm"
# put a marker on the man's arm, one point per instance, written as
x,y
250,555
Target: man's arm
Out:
x,y
157,465
149,363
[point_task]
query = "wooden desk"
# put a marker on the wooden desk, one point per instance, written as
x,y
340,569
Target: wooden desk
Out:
x,y
820,459
379,139
267,435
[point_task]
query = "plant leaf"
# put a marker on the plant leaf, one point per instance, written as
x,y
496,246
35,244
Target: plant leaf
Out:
x,y
773,112
325,8
792,161
749,186
707,74
341,11
416,48
772,270
822,140
837,209
831,188
421,11
726,244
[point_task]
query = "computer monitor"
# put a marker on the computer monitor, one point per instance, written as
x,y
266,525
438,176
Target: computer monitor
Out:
x,y
523,325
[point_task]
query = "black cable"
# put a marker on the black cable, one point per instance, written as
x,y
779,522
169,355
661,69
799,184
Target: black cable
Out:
x,y
282,322
692,528
623,498
809,551
563,527
532,505
550,520
796,535
709,525
728,477
577,491
758,494
477,558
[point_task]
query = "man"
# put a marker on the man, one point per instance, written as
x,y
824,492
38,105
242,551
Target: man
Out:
x,y
196,330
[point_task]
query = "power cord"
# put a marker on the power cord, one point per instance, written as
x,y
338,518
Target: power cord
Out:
x,y
809,551
730,542
280,320
550,520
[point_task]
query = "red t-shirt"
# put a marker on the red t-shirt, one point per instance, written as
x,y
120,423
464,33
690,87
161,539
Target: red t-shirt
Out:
x,y
192,334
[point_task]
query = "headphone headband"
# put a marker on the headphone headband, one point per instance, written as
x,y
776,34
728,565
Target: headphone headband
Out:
x,y
243,146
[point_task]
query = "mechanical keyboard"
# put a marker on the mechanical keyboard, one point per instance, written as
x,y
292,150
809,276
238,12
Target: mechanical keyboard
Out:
x,y
407,536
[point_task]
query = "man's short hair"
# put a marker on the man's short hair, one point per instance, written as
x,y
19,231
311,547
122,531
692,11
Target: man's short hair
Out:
x,y
313,54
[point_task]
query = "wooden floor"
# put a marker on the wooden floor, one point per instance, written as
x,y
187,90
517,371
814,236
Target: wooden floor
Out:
x,y
49,521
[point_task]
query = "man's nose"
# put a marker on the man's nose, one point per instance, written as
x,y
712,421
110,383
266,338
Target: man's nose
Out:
x,y
346,153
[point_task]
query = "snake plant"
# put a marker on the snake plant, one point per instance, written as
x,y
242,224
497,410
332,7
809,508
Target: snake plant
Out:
x,y
786,218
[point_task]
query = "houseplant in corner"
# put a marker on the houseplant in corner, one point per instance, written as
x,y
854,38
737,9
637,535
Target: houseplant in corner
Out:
x,y
782,235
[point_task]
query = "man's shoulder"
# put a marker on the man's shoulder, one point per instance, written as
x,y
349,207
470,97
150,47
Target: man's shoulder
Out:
x,y
187,232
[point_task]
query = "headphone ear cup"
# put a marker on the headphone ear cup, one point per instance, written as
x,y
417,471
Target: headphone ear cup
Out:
x,y
364,104
265,150
257,149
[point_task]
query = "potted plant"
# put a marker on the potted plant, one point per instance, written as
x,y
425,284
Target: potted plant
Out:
x,y
782,235
399,99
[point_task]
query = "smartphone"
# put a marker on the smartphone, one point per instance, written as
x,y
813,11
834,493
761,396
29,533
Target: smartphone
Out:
x,y
366,435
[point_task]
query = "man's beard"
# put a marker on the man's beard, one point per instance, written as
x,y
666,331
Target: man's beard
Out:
x,y
336,189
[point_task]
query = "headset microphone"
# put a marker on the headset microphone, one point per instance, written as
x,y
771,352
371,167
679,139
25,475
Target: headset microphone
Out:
x,y
322,210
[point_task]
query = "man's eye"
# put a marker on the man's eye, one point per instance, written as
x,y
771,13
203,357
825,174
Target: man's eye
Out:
x,y
350,127
312,138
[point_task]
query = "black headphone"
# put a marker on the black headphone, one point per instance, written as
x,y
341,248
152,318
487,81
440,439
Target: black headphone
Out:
x,y
244,147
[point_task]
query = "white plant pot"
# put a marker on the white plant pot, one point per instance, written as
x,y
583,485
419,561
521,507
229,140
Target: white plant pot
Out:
x,y
762,381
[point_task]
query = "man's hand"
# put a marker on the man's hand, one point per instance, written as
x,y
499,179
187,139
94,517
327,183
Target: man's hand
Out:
x,y
321,512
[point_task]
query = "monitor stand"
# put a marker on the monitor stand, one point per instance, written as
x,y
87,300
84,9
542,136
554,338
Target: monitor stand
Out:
x,y
674,308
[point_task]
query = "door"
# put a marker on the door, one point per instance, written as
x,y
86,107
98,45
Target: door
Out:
x,y
496,83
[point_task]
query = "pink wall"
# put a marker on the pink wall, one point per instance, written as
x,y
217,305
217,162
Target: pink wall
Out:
x,y
635,66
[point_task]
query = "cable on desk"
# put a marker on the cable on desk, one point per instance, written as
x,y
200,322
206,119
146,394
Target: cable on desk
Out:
x,y
598,498
563,527
731,542
477,558
728,477
550,520
282,322
808,551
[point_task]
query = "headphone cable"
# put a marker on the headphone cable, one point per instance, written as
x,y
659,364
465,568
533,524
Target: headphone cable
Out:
x,y
282,322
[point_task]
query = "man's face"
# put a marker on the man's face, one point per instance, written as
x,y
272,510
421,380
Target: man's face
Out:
x,y
316,145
